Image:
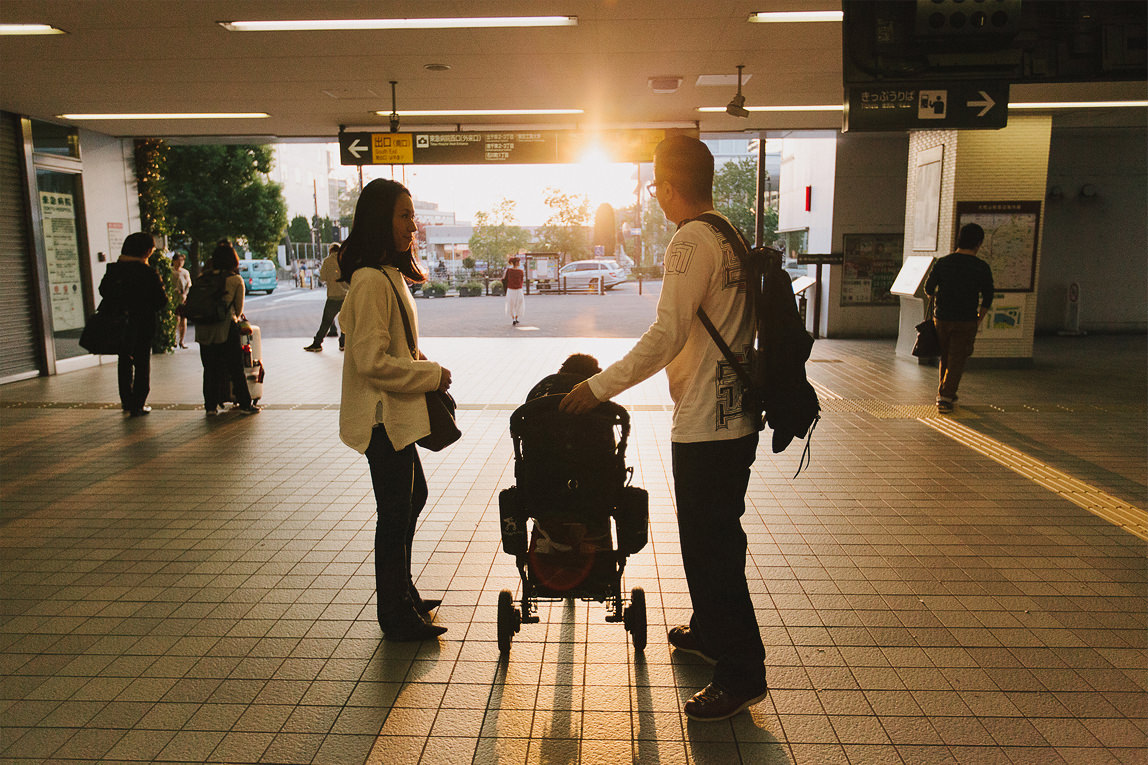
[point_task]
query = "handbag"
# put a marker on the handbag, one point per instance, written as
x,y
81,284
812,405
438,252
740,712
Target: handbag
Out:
x,y
440,404
105,331
928,344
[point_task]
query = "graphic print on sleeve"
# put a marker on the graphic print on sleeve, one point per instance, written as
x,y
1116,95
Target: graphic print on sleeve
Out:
x,y
679,256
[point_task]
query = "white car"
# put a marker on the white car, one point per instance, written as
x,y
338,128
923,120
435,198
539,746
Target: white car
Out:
x,y
588,274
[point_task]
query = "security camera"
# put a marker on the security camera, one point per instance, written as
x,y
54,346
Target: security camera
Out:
x,y
736,107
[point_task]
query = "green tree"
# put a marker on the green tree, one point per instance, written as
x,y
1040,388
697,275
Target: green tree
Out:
x,y
566,229
656,233
496,235
299,230
735,189
218,192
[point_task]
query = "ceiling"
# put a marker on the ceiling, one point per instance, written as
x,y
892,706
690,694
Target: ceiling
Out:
x,y
172,56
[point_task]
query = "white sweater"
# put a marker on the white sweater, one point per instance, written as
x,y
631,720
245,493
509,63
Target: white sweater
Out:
x,y
700,270
382,383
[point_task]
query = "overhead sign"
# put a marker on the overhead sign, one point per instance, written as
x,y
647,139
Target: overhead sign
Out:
x,y
511,147
924,106
825,258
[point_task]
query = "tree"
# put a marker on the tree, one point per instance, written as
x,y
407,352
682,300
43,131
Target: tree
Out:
x,y
299,230
496,236
656,233
565,230
221,192
735,190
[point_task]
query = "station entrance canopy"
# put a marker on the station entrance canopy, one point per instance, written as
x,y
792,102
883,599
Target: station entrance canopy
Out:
x,y
505,147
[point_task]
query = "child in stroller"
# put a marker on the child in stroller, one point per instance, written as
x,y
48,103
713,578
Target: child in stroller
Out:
x,y
571,480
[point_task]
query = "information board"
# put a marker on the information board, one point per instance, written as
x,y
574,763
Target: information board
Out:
x,y
917,106
870,265
911,279
62,256
1010,240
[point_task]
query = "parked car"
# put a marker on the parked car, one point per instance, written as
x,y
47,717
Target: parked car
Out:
x,y
258,275
588,274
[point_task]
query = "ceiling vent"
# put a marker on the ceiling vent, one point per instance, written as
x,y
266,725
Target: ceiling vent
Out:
x,y
665,85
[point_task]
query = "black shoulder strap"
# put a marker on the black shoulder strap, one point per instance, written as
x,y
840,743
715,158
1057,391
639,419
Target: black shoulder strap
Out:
x,y
403,312
733,236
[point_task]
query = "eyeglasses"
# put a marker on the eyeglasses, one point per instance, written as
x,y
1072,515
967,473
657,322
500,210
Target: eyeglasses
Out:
x,y
652,189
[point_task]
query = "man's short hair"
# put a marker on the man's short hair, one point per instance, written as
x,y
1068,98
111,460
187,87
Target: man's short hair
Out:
x,y
687,164
138,244
970,237
581,364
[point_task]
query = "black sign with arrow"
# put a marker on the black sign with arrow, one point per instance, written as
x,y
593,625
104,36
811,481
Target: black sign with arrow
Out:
x,y
925,106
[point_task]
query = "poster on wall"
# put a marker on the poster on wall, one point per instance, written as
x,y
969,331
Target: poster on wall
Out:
x,y
62,254
927,204
115,239
871,263
1010,240
1006,317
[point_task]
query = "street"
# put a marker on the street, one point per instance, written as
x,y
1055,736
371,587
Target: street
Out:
x,y
621,312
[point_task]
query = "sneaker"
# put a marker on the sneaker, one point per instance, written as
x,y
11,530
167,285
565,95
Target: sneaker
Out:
x,y
683,640
713,703
944,407
212,412
249,409
313,348
143,411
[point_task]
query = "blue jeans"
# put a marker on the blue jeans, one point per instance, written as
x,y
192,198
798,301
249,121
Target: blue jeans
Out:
x,y
400,495
710,479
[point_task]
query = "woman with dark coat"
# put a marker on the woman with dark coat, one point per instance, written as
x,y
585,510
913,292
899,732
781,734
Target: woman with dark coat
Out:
x,y
383,410
219,347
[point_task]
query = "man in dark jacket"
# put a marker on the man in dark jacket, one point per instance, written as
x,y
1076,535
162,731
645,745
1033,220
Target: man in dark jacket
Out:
x,y
134,286
962,287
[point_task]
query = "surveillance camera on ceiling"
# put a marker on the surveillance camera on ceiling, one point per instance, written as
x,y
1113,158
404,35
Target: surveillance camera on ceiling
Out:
x,y
736,106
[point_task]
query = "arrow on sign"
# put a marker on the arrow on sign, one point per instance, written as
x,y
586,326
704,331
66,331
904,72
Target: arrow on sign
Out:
x,y
355,149
987,103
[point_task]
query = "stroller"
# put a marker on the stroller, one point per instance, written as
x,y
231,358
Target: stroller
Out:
x,y
571,480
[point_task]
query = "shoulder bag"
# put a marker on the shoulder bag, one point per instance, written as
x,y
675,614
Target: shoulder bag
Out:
x,y
440,404
105,331
928,344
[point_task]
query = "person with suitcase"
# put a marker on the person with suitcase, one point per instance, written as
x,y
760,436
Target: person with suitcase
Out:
x,y
219,347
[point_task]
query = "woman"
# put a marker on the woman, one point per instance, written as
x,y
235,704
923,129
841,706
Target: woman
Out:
x,y
219,347
512,279
383,409
182,284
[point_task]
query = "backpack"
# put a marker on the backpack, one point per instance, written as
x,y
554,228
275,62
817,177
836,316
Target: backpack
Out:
x,y
206,300
776,390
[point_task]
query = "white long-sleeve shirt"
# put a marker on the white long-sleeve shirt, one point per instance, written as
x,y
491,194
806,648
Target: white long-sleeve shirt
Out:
x,y
701,269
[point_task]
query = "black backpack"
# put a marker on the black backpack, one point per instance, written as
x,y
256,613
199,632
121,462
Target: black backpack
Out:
x,y
206,300
776,389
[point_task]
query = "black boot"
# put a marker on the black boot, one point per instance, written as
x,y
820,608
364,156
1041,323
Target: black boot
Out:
x,y
407,626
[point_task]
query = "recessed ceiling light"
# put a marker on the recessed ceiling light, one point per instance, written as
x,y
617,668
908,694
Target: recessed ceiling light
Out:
x,y
328,25
479,112
665,85
30,29
437,67
169,116
794,17
813,108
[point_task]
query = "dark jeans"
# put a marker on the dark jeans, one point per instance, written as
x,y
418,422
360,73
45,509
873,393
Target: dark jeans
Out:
x,y
327,324
400,495
710,479
223,372
957,339
134,366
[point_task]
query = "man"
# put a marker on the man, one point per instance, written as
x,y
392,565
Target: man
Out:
x,y
956,282
135,286
330,275
713,440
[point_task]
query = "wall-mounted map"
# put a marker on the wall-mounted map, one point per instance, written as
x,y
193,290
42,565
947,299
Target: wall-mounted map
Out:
x,y
1010,240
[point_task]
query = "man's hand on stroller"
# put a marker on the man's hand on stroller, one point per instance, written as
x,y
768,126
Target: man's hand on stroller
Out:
x,y
579,400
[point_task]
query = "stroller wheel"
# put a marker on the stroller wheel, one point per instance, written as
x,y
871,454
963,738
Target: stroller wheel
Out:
x,y
634,618
509,620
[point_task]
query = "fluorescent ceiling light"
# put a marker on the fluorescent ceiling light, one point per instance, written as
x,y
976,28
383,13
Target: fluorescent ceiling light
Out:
x,y
169,116
812,108
29,29
478,112
1077,104
794,17
328,25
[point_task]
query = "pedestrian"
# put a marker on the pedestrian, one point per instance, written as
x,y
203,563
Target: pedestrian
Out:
x,y
512,280
331,276
132,284
383,410
961,285
182,284
219,347
713,440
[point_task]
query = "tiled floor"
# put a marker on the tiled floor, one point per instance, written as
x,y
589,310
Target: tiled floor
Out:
x,y
178,589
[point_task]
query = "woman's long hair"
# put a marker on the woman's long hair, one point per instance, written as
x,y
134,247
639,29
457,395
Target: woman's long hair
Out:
x,y
225,258
371,242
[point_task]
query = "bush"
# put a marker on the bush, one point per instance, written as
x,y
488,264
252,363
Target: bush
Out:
x,y
470,289
496,288
434,289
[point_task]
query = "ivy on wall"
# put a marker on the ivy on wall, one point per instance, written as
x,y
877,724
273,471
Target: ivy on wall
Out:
x,y
151,165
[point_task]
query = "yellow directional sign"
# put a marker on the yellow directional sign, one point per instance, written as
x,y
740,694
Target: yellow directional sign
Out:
x,y
392,149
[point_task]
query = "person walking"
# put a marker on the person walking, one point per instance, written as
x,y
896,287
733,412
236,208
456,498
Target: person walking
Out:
x,y
961,285
182,279
383,409
713,440
331,276
512,280
132,284
220,351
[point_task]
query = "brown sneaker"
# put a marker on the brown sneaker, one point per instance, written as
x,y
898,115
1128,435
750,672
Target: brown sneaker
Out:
x,y
683,640
712,703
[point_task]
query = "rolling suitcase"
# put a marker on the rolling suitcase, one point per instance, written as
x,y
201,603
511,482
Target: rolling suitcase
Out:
x,y
252,343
